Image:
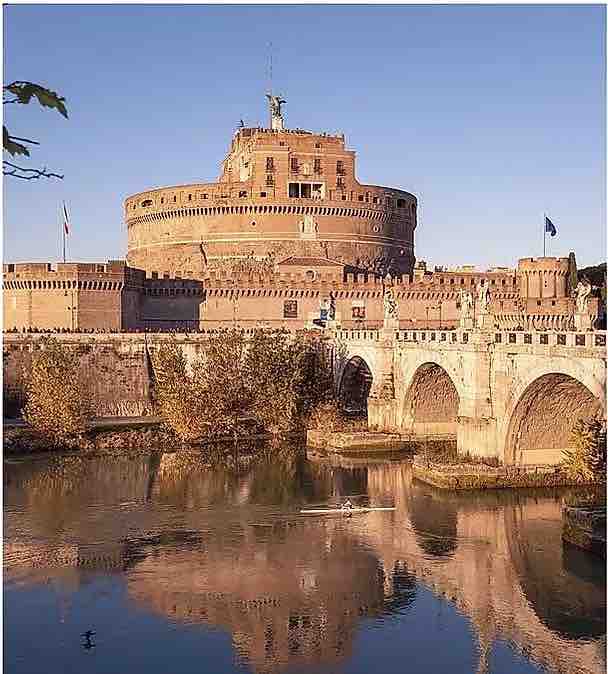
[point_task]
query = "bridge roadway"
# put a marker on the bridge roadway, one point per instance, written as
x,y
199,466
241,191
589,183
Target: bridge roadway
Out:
x,y
509,395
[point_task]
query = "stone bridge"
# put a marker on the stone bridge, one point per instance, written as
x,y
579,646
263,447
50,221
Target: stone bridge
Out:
x,y
509,395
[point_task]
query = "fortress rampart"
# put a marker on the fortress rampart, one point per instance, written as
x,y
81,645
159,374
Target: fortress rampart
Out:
x,y
72,295
290,293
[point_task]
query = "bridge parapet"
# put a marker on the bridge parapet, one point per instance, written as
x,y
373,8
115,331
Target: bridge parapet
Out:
x,y
441,338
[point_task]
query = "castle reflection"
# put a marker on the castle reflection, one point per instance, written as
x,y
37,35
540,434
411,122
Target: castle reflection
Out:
x,y
229,549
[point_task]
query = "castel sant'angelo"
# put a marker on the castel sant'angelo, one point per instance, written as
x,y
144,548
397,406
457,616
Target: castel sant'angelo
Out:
x,y
287,236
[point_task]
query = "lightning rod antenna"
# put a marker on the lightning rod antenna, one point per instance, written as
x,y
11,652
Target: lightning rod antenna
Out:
x,y
270,67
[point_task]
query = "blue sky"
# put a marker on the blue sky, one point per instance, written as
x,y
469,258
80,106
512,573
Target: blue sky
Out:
x,y
491,115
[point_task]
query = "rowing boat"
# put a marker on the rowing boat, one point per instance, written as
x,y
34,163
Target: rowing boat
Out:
x,y
350,511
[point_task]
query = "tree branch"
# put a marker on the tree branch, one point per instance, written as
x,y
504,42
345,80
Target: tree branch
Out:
x,y
9,169
25,140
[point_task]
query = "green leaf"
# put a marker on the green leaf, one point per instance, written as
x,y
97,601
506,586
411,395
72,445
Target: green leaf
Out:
x,y
24,91
10,146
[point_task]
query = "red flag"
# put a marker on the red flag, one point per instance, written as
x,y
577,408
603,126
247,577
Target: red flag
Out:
x,y
66,219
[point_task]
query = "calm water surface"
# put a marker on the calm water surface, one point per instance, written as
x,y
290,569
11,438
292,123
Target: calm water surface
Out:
x,y
178,568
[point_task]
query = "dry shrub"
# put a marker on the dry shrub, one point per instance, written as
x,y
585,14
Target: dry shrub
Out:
x,y
587,460
57,406
272,377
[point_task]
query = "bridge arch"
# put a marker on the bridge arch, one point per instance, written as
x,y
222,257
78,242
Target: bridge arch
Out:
x,y
431,401
543,409
355,383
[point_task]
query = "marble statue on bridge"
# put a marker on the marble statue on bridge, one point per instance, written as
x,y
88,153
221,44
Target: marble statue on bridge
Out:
x,y
483,295
582,291
391,309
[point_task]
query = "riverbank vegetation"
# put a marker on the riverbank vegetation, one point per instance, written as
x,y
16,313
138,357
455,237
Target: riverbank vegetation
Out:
x,y
273,380
57,406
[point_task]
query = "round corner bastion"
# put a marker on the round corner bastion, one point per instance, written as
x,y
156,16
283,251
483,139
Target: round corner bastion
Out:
x,y
280,193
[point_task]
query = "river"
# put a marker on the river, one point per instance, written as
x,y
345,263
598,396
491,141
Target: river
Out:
x,y
157,563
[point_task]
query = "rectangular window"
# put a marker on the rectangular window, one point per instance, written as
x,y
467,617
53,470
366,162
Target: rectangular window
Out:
x,y
294,190
263,194
360,197
317,166
400,203
269,180
269,164
340,168
305,191
317,191
290,309
154,275
339,181
294,165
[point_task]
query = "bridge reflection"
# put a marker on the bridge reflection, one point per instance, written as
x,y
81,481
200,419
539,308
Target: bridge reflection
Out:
x,y
229,549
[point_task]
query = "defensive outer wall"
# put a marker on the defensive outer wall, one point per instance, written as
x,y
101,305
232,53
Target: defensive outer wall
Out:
x,y
509,395
291,294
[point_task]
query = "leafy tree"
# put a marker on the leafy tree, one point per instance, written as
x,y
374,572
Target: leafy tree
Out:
x,y
222,380
57,405
175,396
22,93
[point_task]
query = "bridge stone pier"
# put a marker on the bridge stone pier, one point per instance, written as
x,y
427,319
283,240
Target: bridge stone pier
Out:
x,y
510,395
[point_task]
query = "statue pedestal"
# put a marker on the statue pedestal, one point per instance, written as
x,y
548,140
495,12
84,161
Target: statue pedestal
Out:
x,y
466,324
390,324
582,322
485,322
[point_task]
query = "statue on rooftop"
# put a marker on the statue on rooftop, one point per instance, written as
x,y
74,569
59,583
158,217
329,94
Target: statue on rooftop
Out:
x,y
276,117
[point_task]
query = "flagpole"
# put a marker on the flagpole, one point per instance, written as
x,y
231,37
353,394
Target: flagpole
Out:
x,y
63,230
544,236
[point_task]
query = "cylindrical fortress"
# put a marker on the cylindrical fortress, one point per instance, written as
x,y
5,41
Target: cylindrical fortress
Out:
x,y
281,193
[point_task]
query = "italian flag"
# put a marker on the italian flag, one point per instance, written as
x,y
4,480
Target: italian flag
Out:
x,y
66,219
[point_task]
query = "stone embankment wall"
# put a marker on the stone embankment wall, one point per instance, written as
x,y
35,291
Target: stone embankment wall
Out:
x,y
116,370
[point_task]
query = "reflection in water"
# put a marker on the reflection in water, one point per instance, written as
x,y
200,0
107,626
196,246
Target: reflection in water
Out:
x,y
217,548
